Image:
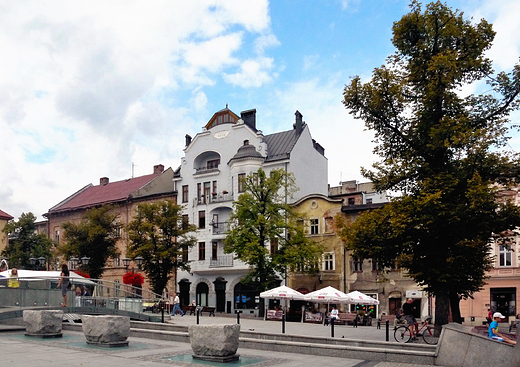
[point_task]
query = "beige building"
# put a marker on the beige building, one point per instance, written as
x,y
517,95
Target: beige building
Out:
x,y
502,288
4,218
125,195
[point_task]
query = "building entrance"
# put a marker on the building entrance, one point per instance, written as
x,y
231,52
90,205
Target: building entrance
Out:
x,y
503,300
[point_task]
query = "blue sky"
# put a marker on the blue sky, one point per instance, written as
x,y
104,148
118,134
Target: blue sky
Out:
x,y
89,88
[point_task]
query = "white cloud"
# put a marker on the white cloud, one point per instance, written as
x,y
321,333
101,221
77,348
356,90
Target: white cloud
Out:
x,y
253,73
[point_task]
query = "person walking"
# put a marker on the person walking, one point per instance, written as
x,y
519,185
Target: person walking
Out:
x,y
64,283
177,306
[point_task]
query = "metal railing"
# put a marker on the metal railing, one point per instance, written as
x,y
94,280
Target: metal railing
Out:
x,y
84,292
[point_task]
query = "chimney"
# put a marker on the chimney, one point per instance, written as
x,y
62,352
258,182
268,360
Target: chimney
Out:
x,y
188,140
249,118
158,168
103,181
299,123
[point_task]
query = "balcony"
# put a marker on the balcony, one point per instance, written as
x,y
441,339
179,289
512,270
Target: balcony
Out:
x,y
221,261
220,228
213,198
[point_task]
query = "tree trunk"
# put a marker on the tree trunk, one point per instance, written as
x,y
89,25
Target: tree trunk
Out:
x,y
455,308
442,309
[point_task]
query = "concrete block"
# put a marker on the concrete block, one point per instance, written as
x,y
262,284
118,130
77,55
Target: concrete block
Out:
x,y
106,330
43,323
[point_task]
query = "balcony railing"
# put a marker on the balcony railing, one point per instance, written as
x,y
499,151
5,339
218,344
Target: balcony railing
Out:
x,y
220,227
221,261
213,198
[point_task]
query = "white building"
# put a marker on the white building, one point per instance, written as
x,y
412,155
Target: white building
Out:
x,y
208,181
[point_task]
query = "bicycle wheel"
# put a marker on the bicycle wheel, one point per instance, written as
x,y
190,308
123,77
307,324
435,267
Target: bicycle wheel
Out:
x,y
402,334
430,335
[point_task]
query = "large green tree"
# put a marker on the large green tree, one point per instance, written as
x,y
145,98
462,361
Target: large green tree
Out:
x,y
25,243
162,238
440,153
262,217
95,236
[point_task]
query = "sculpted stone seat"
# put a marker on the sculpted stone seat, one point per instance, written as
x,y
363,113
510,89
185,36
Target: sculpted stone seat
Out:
x,y
106,330
43,323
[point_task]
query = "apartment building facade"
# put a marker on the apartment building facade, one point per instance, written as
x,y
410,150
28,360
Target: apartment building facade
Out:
x,y
229,148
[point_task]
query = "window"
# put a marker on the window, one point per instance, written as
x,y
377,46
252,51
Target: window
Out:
x,y
273,246
328,261
375,265
117,262
213,163
185,193
118,231
214,189
214,250
184,255
185,221
202,219
57,235
351,201
504,255
369,201
255,178
207,191
314,226
199,192
241,179
202,250
357,265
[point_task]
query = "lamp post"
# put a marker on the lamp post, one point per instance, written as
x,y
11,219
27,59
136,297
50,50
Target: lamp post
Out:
x,y
38,262
139,262
74,261
126,262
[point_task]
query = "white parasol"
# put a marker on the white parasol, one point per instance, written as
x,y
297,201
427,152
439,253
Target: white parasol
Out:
x,y
361,298
327,295
282,292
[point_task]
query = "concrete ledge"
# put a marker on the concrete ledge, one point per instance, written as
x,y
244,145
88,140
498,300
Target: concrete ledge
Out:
x,y
459,347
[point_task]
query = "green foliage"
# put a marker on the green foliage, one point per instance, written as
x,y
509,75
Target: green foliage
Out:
x,y
95,237
159,235
25,242
441,152
262,216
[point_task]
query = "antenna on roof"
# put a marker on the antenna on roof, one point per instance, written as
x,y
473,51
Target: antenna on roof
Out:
x,y
226,105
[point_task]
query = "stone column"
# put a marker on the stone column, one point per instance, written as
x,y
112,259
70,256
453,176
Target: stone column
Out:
x,y
215,342
106,330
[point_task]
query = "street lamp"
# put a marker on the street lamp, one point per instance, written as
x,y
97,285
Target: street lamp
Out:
x,y
42,260
73,260
85,260
139,261
126,262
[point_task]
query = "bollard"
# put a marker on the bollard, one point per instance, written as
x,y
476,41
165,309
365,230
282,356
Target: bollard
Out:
x,y
283,323
198,316
355,321
238,316
387,330
332,327
162,314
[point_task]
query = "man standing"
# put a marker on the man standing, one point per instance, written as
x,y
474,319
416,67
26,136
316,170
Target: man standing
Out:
x,y
177,306
408,310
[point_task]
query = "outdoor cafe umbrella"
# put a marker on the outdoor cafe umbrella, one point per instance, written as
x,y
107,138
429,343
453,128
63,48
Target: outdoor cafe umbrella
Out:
x,y
327,295
282,292
361,298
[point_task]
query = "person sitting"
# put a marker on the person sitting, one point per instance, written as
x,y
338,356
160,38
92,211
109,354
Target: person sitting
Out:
x,y
334,314
493,330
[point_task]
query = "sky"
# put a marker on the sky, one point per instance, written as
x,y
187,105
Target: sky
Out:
x,y
110,88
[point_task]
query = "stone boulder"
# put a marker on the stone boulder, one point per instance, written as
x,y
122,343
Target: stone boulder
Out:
x,y
43,323
214,342
106,330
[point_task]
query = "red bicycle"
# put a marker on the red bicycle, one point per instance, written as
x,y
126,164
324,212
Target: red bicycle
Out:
x,y
430,334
